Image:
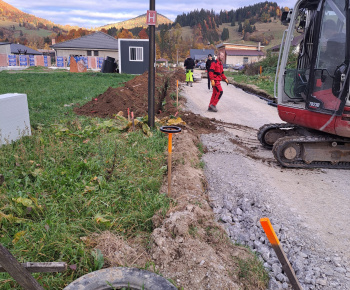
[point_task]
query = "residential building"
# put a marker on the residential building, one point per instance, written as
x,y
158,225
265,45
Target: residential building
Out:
x,y
96,44
241,53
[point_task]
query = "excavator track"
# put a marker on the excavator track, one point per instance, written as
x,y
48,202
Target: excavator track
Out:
x,y
268,134
313,152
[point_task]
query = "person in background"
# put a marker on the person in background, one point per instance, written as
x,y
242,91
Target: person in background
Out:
x,y
207,67
189,65
216,75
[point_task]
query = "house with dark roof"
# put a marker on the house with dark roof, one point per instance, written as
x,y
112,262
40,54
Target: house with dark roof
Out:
x,y
241,53
15,48
96,44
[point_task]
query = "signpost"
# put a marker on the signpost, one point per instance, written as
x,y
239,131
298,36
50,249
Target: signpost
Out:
x,y
151,21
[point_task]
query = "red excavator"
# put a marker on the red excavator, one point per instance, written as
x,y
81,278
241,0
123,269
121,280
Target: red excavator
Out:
x,y
313,88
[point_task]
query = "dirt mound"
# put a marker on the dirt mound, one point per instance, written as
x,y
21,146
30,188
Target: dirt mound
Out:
x,y
188,245
134,95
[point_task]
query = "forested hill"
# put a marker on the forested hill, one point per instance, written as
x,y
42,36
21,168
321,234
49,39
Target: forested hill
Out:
x,y
258,12
10,13
139,21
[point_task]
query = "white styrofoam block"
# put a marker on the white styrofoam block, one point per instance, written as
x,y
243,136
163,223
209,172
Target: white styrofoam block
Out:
x,y
14,117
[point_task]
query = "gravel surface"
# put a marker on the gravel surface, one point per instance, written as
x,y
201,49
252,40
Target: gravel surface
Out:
x,y
309,209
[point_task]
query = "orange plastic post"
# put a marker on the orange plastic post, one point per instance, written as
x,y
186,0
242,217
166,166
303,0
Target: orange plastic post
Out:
x,y
260,70
170,141
286,266
269,231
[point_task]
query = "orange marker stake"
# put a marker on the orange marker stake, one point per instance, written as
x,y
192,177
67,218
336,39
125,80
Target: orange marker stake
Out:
x,y
128,114
170,149
133,122
286,266
170,130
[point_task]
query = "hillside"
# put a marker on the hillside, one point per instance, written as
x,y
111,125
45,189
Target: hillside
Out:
x,y
139,21
10,15
273,30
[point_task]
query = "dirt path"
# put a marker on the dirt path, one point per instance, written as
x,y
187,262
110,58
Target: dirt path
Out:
x,y
313,205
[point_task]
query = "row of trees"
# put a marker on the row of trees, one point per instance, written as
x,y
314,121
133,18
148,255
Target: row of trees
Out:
x,y
260,11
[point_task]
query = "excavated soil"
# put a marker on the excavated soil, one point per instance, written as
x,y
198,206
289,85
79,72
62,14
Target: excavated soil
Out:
x,y
134,96
187,245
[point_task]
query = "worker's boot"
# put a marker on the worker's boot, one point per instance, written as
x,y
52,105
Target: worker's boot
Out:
x,y
191,84
212,108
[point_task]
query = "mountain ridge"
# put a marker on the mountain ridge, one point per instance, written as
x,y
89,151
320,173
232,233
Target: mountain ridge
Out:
x,y
139,21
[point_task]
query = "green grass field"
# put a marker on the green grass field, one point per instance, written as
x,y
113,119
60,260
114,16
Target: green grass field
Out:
x,y
74,176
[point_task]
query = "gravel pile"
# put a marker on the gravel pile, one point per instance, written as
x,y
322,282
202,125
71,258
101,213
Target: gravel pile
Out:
x,y
239,199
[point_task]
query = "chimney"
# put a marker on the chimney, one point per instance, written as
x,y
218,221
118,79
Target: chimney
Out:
x,y
53,41
259,44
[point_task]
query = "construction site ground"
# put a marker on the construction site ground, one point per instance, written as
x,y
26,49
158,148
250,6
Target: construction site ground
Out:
x,y
240,183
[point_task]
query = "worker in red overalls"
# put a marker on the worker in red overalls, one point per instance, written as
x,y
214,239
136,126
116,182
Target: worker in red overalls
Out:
x,y
216,75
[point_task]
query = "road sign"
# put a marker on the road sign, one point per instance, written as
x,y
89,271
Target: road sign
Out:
x,y
151,17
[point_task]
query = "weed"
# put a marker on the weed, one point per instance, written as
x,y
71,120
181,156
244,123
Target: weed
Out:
x,y
200,147
252,272
192,230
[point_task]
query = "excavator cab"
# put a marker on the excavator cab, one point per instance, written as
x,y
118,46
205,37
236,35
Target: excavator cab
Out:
x,y
313,88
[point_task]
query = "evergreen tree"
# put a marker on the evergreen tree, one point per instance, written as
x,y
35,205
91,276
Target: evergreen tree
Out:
x,y
225,34
240,27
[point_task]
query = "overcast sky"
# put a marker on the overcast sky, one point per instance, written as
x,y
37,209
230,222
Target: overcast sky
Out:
x,y
89,13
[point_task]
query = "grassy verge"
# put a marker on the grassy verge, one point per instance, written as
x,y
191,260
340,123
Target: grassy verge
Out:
x,y
265,81
73,176
252,272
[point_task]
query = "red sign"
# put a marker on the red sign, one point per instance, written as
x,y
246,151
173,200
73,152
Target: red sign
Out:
x,y
151,17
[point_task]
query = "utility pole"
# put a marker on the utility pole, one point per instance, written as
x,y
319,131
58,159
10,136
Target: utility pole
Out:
x,y
151,21
177,57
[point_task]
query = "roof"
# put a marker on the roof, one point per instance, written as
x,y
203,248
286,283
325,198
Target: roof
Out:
x,y
239,44
3,43
97,40
241,52
22,49
201,53
296,40
162,60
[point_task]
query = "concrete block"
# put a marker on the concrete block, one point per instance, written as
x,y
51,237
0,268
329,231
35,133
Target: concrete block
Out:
x,y
14,117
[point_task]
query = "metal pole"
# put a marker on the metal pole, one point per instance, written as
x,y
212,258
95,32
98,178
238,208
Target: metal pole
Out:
x,y
151,69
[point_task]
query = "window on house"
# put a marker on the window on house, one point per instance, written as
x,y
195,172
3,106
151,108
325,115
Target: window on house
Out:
x,y
95,52
89,53
135,53
245,60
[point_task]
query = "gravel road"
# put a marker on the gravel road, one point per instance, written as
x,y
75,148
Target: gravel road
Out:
x,y
309,209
